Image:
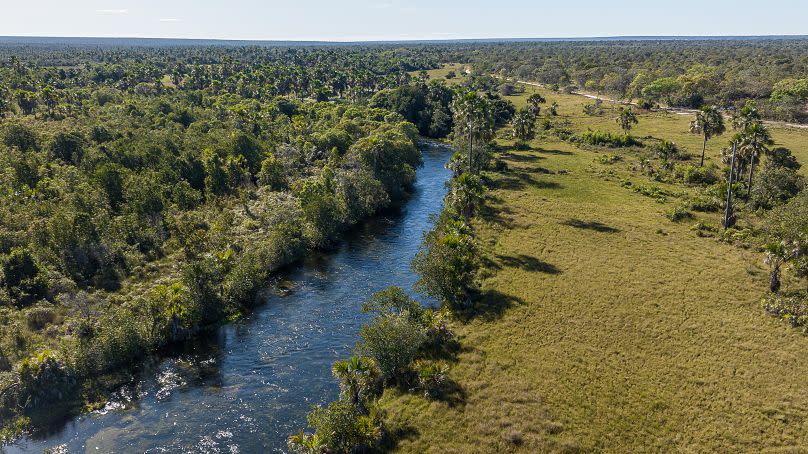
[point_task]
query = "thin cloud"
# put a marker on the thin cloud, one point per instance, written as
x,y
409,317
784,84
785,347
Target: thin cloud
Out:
x,y
112,11
169,19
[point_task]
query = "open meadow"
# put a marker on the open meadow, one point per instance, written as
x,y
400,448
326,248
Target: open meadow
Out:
x,y
605,326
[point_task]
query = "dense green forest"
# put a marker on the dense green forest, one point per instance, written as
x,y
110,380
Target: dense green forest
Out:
x,y
147,194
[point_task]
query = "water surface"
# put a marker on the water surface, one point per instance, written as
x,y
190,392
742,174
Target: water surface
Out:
x,y
248,387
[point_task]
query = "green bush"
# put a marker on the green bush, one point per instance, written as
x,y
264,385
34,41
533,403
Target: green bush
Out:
x,y
447,263
791,308
338,427
692,174
774,186
608,139
393,341
43,380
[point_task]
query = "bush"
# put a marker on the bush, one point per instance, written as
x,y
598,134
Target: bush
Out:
x,y
393,341
431,377
68,147
774,186
39,317
340,428
791,308
608,139
43,381
679,213
447,263
692,174
665,150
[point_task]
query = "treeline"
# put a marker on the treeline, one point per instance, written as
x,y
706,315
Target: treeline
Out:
x,y
676,73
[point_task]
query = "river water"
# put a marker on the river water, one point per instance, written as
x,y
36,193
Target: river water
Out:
x,y
249,387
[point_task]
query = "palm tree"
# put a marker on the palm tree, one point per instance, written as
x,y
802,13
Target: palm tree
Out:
x,y
709,122
358,378
747,116
729,216
523,124
754,141
534,103
473,116
626,119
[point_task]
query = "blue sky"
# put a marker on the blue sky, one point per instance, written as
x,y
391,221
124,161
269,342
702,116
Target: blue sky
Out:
x,y
349,20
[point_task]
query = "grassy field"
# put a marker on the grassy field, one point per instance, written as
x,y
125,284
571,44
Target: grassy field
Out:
x,y
609,327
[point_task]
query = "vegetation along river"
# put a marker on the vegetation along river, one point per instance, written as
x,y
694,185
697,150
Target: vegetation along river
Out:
x,y
249,387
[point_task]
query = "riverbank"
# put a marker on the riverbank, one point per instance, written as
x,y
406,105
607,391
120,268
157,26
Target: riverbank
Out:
x,y
251,384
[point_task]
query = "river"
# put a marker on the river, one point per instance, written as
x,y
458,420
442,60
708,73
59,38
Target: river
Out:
x,y
249,386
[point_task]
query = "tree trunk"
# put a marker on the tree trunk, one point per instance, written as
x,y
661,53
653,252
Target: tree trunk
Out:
x,y
774,281
703,150
471,147
751,172
729,216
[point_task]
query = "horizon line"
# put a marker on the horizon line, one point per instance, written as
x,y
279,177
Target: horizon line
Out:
x,y
414,40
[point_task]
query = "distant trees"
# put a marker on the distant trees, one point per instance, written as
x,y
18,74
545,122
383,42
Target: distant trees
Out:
x,y
709,123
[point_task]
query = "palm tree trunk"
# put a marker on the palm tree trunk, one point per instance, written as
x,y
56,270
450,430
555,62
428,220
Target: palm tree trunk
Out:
x,y
751,172
728,215
471,147
703,150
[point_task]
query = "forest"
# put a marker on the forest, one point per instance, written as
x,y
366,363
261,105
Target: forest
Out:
x,y
148,194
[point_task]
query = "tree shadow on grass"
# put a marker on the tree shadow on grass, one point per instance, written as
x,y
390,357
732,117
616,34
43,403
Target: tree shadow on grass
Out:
x,y
528,263
555,152
451,393
522,157
499,215
590,225
519,180
395,434
487,305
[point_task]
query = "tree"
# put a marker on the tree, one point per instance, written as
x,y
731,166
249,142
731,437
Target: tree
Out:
x,y
359,381
534,103
778,253
754,142
474,117
709,123
626,119
745,117
523,124
393,340
21,137
553,110
68,146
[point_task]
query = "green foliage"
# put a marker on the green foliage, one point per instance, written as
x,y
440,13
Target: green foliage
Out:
x,y
608,139
22,275
21,137
68,147
447,263
341,428
43,380
775,185
393,340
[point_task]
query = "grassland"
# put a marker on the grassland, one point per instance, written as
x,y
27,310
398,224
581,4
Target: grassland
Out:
x,y
608,327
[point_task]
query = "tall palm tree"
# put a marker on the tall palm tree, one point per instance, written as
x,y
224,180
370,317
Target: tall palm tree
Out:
x,y
746,116
708,122
473,116
626,119
755,141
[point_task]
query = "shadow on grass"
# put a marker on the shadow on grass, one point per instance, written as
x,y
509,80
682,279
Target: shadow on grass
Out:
x,y
528,263
452,394
522,157
394,435
519,180
488,305
556,152
590,225
499,215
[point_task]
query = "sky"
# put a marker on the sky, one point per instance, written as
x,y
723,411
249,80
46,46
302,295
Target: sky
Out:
x,y
371,20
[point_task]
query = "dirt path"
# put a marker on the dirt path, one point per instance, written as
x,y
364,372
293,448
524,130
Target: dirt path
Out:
x,y
676,110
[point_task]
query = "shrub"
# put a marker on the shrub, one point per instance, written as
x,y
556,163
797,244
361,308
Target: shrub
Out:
x,y
43,380
791,308
699,175
22,277
431,377
665,150
393,341
339,427
608,139
68,147
447,263
774,186
39,317
679,213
